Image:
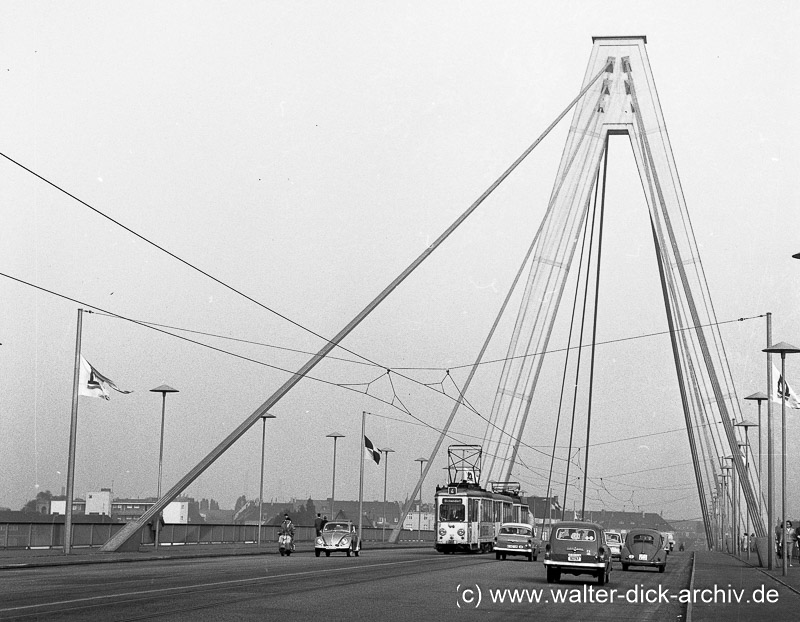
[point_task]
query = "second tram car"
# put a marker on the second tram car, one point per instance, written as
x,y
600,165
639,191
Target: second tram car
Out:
x,y
468,517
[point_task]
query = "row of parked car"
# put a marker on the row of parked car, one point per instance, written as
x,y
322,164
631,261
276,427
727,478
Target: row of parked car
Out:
x,y
578,548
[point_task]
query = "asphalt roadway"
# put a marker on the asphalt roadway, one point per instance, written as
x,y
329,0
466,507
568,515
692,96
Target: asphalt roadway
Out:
x,y
394,583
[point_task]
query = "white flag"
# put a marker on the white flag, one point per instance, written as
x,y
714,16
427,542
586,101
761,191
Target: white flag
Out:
x,y
94,384
781,389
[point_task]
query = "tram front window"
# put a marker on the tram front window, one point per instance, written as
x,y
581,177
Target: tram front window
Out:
x,y
451,512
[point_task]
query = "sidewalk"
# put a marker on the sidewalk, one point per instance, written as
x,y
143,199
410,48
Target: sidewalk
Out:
x,y
14,559
728,588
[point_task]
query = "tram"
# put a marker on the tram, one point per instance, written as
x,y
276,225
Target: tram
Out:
x,y
468,517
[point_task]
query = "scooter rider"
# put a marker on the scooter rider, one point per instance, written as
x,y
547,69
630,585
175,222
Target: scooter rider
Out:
x,y
287,526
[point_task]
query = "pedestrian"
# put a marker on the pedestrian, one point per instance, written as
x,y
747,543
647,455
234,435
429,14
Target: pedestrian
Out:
x,y
318,524
778,532
791,540
324,521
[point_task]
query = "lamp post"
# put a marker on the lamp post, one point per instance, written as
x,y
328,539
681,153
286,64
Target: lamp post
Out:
x,y
734,507
783,349
334,436
264,418
422,462
715,509
723,505
163,389
386,451
759,397
746,425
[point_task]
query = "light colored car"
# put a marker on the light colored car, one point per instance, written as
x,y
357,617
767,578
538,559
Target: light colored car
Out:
x,y
644,547
614,541
576,548
516,539
337,536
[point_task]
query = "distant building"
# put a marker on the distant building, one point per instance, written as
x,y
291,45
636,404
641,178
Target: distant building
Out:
x,y
419,520
177,512
99,502
58,505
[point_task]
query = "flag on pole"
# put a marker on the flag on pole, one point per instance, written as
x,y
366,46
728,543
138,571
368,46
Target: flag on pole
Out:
x,y
781,390
94,384
370,450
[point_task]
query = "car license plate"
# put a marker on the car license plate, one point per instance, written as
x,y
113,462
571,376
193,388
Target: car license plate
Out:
x,y
573,557
642,557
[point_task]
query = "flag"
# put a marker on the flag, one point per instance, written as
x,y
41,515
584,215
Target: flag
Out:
x,y
370,450
94,384
781,389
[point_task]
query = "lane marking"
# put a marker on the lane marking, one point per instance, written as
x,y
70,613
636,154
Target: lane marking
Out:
x,y
197,586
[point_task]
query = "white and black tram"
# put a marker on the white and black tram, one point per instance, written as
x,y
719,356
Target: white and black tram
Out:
x,y
468,517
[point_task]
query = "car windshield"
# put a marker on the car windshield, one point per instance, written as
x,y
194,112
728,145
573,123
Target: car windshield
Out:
x,y
574,533
515,531
336,527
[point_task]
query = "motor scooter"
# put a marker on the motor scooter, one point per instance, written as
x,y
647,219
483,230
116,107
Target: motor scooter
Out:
x,y
285,544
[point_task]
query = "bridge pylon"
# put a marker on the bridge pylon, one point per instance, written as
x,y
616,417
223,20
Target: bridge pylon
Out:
x,y
625,102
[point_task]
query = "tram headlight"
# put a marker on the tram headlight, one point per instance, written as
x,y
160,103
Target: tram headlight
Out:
x,y
461,532
442,531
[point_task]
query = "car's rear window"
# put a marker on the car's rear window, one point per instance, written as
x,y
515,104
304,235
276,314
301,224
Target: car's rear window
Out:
x,y
516,531
572,533
643,538
614,537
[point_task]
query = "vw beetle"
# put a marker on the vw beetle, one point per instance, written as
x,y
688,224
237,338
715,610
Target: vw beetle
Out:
x,y
337,536
644,547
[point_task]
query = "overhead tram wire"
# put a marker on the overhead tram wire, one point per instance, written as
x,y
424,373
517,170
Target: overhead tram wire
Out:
x,y
210,347
599,343
458,221
249,359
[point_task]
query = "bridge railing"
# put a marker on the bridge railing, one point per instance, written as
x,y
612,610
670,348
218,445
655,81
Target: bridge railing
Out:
x,y
18,535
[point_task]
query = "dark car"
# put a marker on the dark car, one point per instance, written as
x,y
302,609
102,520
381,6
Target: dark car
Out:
x,y
576,548
644,547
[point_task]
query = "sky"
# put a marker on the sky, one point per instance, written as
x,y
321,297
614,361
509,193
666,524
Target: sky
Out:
x,y
303,155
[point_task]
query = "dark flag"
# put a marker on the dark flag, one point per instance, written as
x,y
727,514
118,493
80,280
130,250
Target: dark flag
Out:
x,y
370,450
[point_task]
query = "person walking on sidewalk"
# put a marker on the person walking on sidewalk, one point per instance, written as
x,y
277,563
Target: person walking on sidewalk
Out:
x,y
791,540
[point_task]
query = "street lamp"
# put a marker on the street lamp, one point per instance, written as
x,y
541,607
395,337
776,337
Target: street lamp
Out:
x,y
734,507
264,418
783,349
386,451
334,436
724,505
746,425
422,462
163,389
759,397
